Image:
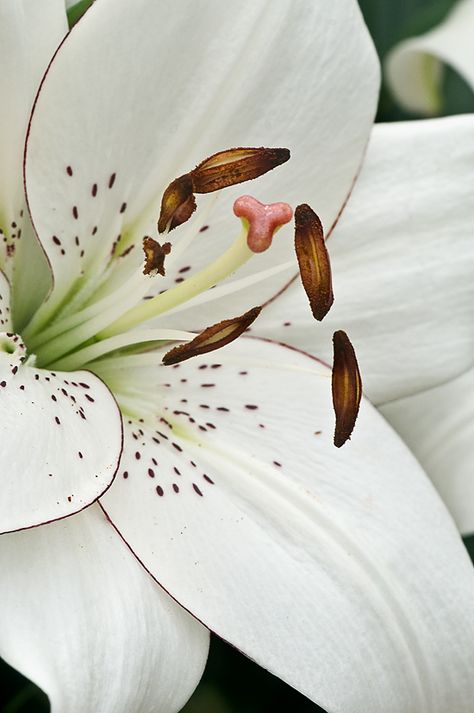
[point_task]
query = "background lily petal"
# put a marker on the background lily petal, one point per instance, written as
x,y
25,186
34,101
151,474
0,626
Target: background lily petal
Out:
x,y
131,101
338,570
82,619
438,426
402,260
30,31
414,67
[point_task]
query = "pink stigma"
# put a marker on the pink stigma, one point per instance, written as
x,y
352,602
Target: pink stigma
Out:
x,y
263,220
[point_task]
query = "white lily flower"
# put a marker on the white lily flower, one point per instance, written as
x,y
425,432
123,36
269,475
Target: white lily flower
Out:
x,y
415,66
338,570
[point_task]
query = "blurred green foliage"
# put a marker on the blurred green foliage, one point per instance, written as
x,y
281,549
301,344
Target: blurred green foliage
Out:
x,y
232,683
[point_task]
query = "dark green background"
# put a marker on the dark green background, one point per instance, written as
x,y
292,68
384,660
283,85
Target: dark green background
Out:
x,y
232,684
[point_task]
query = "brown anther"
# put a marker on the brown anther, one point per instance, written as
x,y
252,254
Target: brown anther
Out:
x,y
212,338
155,256
346,387
221,170
313,260
227,168
177,204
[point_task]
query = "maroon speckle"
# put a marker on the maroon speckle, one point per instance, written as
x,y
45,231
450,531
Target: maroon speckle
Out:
x,y
160,491
94,190
176,488
57,420
80,454
137,455
204,228
112,179
275,462
177,446
125,474
89,398
123,207
56,240
209,480
197,489
151,472
69,170
75,212
251,407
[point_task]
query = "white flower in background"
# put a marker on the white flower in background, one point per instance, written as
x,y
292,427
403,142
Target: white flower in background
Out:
x,y
415,66
339,570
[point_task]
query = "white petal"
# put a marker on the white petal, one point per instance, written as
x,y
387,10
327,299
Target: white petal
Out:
x,y
30,31
5,315
339,570
438,425
84,621
61,439
402,258
132,100
414,69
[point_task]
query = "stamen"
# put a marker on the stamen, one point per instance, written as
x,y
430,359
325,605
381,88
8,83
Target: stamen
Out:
x,y
313,260
155,256
346,387
176,196
227,168
212,338
221,170
263,220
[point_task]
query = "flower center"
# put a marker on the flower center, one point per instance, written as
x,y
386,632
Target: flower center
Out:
x,y
84,328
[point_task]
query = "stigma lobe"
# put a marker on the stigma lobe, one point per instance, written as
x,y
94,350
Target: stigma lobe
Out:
x,y
263,220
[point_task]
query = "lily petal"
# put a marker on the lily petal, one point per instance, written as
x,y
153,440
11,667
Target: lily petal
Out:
x,y
82,619
414,69
111,128
30,31
402,259
438,427
313,561
61,440
5,314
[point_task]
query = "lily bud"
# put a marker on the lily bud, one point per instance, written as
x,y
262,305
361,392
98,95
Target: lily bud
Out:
x,y
346,387
313,260
212,338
